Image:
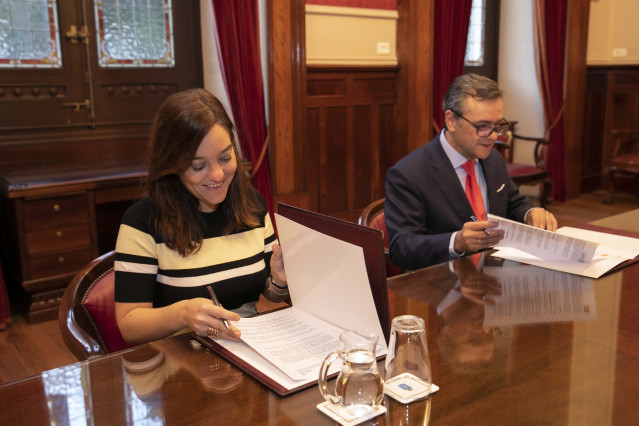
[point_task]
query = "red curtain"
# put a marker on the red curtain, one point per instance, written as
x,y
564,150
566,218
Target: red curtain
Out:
x,y
238,36
550,36
451,32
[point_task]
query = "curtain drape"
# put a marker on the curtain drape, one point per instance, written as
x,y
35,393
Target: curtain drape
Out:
x,y
451,33
550,23
237,28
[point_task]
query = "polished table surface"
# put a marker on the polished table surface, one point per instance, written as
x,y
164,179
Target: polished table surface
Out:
x,y
581,369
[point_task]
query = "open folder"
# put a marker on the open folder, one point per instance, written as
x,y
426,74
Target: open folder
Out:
x,y
584,252
337,281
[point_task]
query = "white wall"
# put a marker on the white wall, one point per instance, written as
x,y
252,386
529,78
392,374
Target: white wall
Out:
x,y
613,33
516,73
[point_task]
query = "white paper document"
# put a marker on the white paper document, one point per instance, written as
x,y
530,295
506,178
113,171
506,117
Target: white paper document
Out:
x,y
294,341
543,244
577,251
330,293
534,295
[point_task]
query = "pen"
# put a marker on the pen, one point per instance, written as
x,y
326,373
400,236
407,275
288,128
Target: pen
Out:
x,y
216,302
474,219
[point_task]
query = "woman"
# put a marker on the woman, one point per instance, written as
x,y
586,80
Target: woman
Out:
x,y
202,224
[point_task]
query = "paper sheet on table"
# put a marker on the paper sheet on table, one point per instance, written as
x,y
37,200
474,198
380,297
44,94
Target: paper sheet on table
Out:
x,y
610,252
543,244
328,279
532,295
294,341
613,245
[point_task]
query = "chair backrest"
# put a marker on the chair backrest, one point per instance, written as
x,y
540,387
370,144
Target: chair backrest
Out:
x,y
373,217
87,311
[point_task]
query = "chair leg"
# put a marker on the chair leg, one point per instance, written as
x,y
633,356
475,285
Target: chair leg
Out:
x,y
610,184
546,191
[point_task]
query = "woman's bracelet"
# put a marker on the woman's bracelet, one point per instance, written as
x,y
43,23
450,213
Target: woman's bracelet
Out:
x,y
275,292
281,287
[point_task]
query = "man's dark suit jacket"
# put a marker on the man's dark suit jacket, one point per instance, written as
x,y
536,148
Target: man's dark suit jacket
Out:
x,y
425,203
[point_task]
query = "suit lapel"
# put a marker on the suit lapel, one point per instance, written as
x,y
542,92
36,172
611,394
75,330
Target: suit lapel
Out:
x,y
492,185
448,182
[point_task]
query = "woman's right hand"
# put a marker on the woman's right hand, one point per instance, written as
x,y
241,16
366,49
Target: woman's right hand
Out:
x,y
201,313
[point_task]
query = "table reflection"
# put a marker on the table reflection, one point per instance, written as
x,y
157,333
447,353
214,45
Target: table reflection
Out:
x,y
477,298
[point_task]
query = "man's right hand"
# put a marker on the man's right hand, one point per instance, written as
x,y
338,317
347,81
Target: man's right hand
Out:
x,y
476,236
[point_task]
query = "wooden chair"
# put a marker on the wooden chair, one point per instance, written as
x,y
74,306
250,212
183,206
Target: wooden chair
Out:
x,y
373,217
87,311
525,174
624,159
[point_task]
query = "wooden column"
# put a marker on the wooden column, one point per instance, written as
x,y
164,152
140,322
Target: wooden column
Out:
x,y
415,55
287,88
576,45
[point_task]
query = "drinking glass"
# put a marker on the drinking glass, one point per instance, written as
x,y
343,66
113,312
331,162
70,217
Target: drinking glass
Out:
x,y
407,376
359,387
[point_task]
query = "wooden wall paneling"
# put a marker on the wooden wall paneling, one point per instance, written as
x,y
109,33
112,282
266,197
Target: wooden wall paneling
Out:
x,y
388,143
576,46
351,120
415,80
366,146
622,111
593,131
333,160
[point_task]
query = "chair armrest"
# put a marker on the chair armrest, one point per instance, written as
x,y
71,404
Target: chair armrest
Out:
x,y
540,143
617,137
79,342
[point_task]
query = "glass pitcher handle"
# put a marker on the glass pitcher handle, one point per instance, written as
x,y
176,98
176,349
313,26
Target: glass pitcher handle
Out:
x,y
323,386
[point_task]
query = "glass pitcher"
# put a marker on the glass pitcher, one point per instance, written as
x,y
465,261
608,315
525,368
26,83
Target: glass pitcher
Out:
x,y
359,387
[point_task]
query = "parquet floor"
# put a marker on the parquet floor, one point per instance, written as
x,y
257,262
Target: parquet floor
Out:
x,y
28,349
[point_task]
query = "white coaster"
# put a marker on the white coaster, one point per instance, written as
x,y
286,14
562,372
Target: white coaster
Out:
x,y
338,413
407,388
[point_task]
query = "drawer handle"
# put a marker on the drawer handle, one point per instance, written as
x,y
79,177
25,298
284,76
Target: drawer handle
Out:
x,y
58,234
56,207
61,259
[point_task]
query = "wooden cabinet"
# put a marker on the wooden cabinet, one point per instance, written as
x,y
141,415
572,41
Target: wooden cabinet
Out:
x,y
611,102
51,230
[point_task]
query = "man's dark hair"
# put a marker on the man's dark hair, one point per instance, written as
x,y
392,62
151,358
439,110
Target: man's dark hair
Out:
x,y
470,85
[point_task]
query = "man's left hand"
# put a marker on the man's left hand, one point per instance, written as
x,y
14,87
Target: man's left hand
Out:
x,y
541,218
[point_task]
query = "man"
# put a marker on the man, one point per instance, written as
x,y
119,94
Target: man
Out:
x,y
429,192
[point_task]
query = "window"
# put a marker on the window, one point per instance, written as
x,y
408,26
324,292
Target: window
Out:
x,y
94,63
483,39
134,34
475,43
29,34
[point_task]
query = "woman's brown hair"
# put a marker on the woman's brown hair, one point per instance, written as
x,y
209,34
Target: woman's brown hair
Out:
x,y
182,122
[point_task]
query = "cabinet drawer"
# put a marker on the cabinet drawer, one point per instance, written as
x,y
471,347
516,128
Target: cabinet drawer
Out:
x,y
55,264
54,212
58,239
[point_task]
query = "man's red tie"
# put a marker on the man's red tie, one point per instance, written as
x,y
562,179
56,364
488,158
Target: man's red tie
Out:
x,y
473,192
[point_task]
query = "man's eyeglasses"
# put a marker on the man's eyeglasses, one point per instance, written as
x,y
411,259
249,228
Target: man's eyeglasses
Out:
x,y
484,131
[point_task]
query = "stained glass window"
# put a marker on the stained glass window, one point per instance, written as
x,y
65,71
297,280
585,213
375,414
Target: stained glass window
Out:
x,y
29,35
134,33
475,43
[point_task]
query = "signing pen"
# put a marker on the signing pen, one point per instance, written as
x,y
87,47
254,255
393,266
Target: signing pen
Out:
x,y
216,302
474,219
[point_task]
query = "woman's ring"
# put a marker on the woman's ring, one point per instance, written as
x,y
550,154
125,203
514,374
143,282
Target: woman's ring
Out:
x,y
212,332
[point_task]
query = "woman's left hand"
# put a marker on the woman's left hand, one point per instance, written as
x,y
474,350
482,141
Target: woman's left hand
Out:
x,y
277,265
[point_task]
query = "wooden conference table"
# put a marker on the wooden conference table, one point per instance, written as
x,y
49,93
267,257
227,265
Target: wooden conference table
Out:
x,y
578,368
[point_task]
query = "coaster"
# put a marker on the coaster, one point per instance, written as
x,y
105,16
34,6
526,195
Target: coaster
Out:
x,y
407,388
338,413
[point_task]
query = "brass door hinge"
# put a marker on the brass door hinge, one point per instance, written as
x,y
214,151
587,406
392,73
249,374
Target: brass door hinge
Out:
x,y
78,36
